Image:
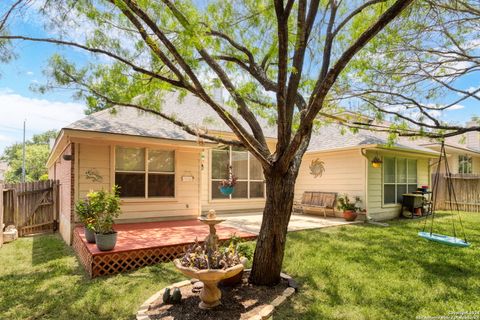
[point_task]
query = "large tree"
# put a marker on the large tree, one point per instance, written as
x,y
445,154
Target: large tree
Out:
x,y
287,60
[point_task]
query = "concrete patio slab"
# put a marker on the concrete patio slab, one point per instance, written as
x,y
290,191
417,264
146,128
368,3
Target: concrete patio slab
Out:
x,y
251,222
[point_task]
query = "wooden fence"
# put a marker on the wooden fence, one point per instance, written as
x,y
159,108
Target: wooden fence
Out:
x,y
467,192
32,206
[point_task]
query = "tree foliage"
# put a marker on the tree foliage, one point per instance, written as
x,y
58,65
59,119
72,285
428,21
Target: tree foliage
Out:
x,y
37,150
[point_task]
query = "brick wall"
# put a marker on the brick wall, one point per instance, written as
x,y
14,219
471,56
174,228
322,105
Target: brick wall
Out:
x,y
62,170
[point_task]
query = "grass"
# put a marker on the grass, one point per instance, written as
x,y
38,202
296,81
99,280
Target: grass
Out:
x,y
372,272
350,272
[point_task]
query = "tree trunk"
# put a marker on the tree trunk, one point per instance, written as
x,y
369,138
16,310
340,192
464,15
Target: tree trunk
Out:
x,y
269,252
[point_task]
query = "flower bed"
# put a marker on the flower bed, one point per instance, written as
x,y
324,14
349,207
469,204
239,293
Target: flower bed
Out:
x,y
243,301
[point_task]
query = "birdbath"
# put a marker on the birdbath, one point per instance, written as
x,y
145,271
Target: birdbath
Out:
x,y
210,294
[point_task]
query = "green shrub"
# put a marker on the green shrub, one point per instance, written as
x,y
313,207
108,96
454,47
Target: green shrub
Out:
x,y
99,209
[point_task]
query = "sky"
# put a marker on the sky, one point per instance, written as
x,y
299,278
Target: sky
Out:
x,y
57,109
42,112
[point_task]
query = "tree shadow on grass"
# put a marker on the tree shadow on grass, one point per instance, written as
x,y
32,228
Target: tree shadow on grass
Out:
x,y
55,286
46,248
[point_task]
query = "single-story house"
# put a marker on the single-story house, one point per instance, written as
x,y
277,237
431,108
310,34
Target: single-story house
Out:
x,y
165,173
463,153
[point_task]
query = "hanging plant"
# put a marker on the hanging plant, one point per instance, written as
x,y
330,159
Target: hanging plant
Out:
x,y
227,186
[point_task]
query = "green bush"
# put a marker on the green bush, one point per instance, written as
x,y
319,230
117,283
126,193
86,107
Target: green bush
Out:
x,y
99,209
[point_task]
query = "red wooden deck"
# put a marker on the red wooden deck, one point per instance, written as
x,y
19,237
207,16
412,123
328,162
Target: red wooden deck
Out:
x,y
141,244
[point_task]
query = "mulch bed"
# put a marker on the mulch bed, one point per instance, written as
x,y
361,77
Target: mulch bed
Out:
x,y
240,302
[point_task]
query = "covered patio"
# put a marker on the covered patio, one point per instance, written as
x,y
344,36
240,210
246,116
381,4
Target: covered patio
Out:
x,y
141,244
251,222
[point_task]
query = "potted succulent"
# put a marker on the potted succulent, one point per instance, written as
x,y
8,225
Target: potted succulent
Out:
x,y
87,217
227,186
244,251
106,205
349,208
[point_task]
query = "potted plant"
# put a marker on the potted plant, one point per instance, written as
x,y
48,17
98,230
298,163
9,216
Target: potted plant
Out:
x,y
87,217
227,186
244,251
107,207
349,208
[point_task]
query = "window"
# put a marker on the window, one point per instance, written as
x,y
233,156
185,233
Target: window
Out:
x,y
245,167
141,172
464,164
399,177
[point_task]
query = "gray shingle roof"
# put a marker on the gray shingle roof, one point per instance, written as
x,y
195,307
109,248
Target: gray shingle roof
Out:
x,y
131,121
191,110
331,137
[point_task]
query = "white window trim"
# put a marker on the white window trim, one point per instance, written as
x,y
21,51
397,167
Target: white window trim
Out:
x,y
396,183
146,172
470,159
230,198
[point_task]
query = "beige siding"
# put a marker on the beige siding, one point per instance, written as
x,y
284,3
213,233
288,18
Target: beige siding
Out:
x,y
344,174
96,159
99,157
375,208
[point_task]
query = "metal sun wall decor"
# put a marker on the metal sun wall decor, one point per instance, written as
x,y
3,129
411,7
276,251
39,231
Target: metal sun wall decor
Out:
x,y
93,175
317,168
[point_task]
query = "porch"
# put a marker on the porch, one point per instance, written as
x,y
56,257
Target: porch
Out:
x,y
142,244
251,222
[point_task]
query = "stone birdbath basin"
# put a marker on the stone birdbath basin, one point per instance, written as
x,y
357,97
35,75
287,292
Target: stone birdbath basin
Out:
x,y
210,294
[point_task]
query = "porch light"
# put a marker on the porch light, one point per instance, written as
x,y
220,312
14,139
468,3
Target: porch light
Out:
x,y
377,162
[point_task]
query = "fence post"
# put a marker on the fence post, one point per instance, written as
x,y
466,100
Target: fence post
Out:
x,y
1,215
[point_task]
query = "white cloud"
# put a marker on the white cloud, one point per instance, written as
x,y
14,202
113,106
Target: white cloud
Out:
x,y
30,73
40,115
4,138
455,107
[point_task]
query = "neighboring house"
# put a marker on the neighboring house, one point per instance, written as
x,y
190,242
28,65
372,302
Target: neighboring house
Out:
x,y
463,153
166,174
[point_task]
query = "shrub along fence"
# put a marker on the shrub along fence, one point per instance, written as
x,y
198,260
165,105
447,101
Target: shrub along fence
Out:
x,y
467,192
32,206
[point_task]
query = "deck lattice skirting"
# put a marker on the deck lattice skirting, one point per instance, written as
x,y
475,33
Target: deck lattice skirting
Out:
x,y
111,262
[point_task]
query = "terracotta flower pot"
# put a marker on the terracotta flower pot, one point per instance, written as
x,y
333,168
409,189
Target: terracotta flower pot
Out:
x,y
350,215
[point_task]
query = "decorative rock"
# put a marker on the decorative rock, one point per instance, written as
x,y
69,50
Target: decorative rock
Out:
x,y
197,286
285,276
176,296
278,301
266,312
293,284
166,298
288,292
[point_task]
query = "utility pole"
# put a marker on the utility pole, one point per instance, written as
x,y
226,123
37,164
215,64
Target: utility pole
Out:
x,y
23,153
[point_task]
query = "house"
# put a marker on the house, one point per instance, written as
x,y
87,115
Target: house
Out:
x,y
347,162
463,153
165,173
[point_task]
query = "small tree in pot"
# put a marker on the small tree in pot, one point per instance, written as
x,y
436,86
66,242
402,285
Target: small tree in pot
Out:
x,y
107,207
349,209
87,217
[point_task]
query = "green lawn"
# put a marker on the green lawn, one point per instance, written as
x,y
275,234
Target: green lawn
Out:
x,y
352,272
